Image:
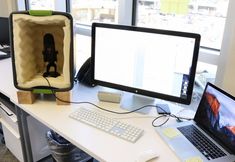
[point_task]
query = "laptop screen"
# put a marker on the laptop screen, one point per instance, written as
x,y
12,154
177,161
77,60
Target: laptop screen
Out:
x,y
216,113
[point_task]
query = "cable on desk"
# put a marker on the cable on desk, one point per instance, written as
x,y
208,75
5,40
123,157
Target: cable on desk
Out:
x,y
127,112
167,115
85,102
159,125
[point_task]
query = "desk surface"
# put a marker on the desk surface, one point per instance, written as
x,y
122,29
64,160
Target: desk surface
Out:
x,y
100,145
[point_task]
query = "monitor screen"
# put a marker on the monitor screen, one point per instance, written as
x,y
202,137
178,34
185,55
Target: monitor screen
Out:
x,y
150,62
4,31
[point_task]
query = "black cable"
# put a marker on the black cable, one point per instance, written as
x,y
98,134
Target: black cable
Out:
x,y
164,115
167,115
115,112
85,102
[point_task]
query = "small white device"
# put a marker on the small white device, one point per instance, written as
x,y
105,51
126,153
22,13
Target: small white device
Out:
x,y
114,97
147,155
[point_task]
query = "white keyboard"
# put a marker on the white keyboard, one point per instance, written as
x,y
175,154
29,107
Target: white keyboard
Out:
x,y
107,124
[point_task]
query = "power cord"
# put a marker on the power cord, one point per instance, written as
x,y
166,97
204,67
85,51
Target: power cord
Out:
x,y
180,119
127,112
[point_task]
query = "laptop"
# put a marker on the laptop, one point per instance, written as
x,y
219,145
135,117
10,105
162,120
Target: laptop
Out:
x,y
210,136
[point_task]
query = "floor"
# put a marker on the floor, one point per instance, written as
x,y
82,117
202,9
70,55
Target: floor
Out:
x,y
7,156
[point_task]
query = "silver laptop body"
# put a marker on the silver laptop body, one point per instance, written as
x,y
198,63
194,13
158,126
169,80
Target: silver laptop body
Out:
x,y
215,118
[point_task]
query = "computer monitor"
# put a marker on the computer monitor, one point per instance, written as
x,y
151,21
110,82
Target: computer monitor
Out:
x,y
150,62
4,31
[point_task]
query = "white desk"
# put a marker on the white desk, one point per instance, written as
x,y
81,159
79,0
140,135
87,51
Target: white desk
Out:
x,y
100,145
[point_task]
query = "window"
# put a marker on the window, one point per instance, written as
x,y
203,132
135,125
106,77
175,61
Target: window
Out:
x,y
86,12
42,5
56,5
206,17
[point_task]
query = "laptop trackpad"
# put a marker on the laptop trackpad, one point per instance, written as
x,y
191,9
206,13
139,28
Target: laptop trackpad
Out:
x,y
183,148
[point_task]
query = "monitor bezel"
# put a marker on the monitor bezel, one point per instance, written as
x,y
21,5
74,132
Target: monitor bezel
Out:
x,y
186,100
5,38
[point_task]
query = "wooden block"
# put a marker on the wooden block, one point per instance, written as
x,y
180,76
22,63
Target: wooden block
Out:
x,y
26,97
63,98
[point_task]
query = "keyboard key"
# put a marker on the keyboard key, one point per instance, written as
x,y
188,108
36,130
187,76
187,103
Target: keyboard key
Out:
x,y
107,124
201,142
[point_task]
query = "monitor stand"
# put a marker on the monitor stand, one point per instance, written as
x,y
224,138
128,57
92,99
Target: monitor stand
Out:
x,y
132,102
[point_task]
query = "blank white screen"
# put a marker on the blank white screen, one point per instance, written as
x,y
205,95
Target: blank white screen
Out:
x,y
148,61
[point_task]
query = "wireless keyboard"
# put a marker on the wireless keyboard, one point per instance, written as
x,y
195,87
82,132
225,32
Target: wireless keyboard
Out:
x,y
107,124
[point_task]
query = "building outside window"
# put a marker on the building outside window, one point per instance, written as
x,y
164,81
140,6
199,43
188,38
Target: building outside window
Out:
x,y
55,5
206,17
86,12
42,5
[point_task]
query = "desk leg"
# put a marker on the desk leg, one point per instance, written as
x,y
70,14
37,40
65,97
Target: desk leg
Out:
x,y
24,134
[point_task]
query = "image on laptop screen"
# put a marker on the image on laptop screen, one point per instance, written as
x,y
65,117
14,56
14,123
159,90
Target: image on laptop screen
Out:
x,y
216,113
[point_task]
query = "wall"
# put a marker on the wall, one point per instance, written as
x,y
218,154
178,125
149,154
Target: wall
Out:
x,y
226,68
6,7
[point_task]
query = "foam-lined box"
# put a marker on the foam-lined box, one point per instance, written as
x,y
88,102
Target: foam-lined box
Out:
x,y
28,30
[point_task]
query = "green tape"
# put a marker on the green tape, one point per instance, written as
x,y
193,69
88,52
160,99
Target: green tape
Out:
x,y
40,12
43,91
178,7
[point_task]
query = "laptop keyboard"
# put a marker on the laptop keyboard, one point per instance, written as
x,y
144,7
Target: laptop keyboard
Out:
x,y
201,142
